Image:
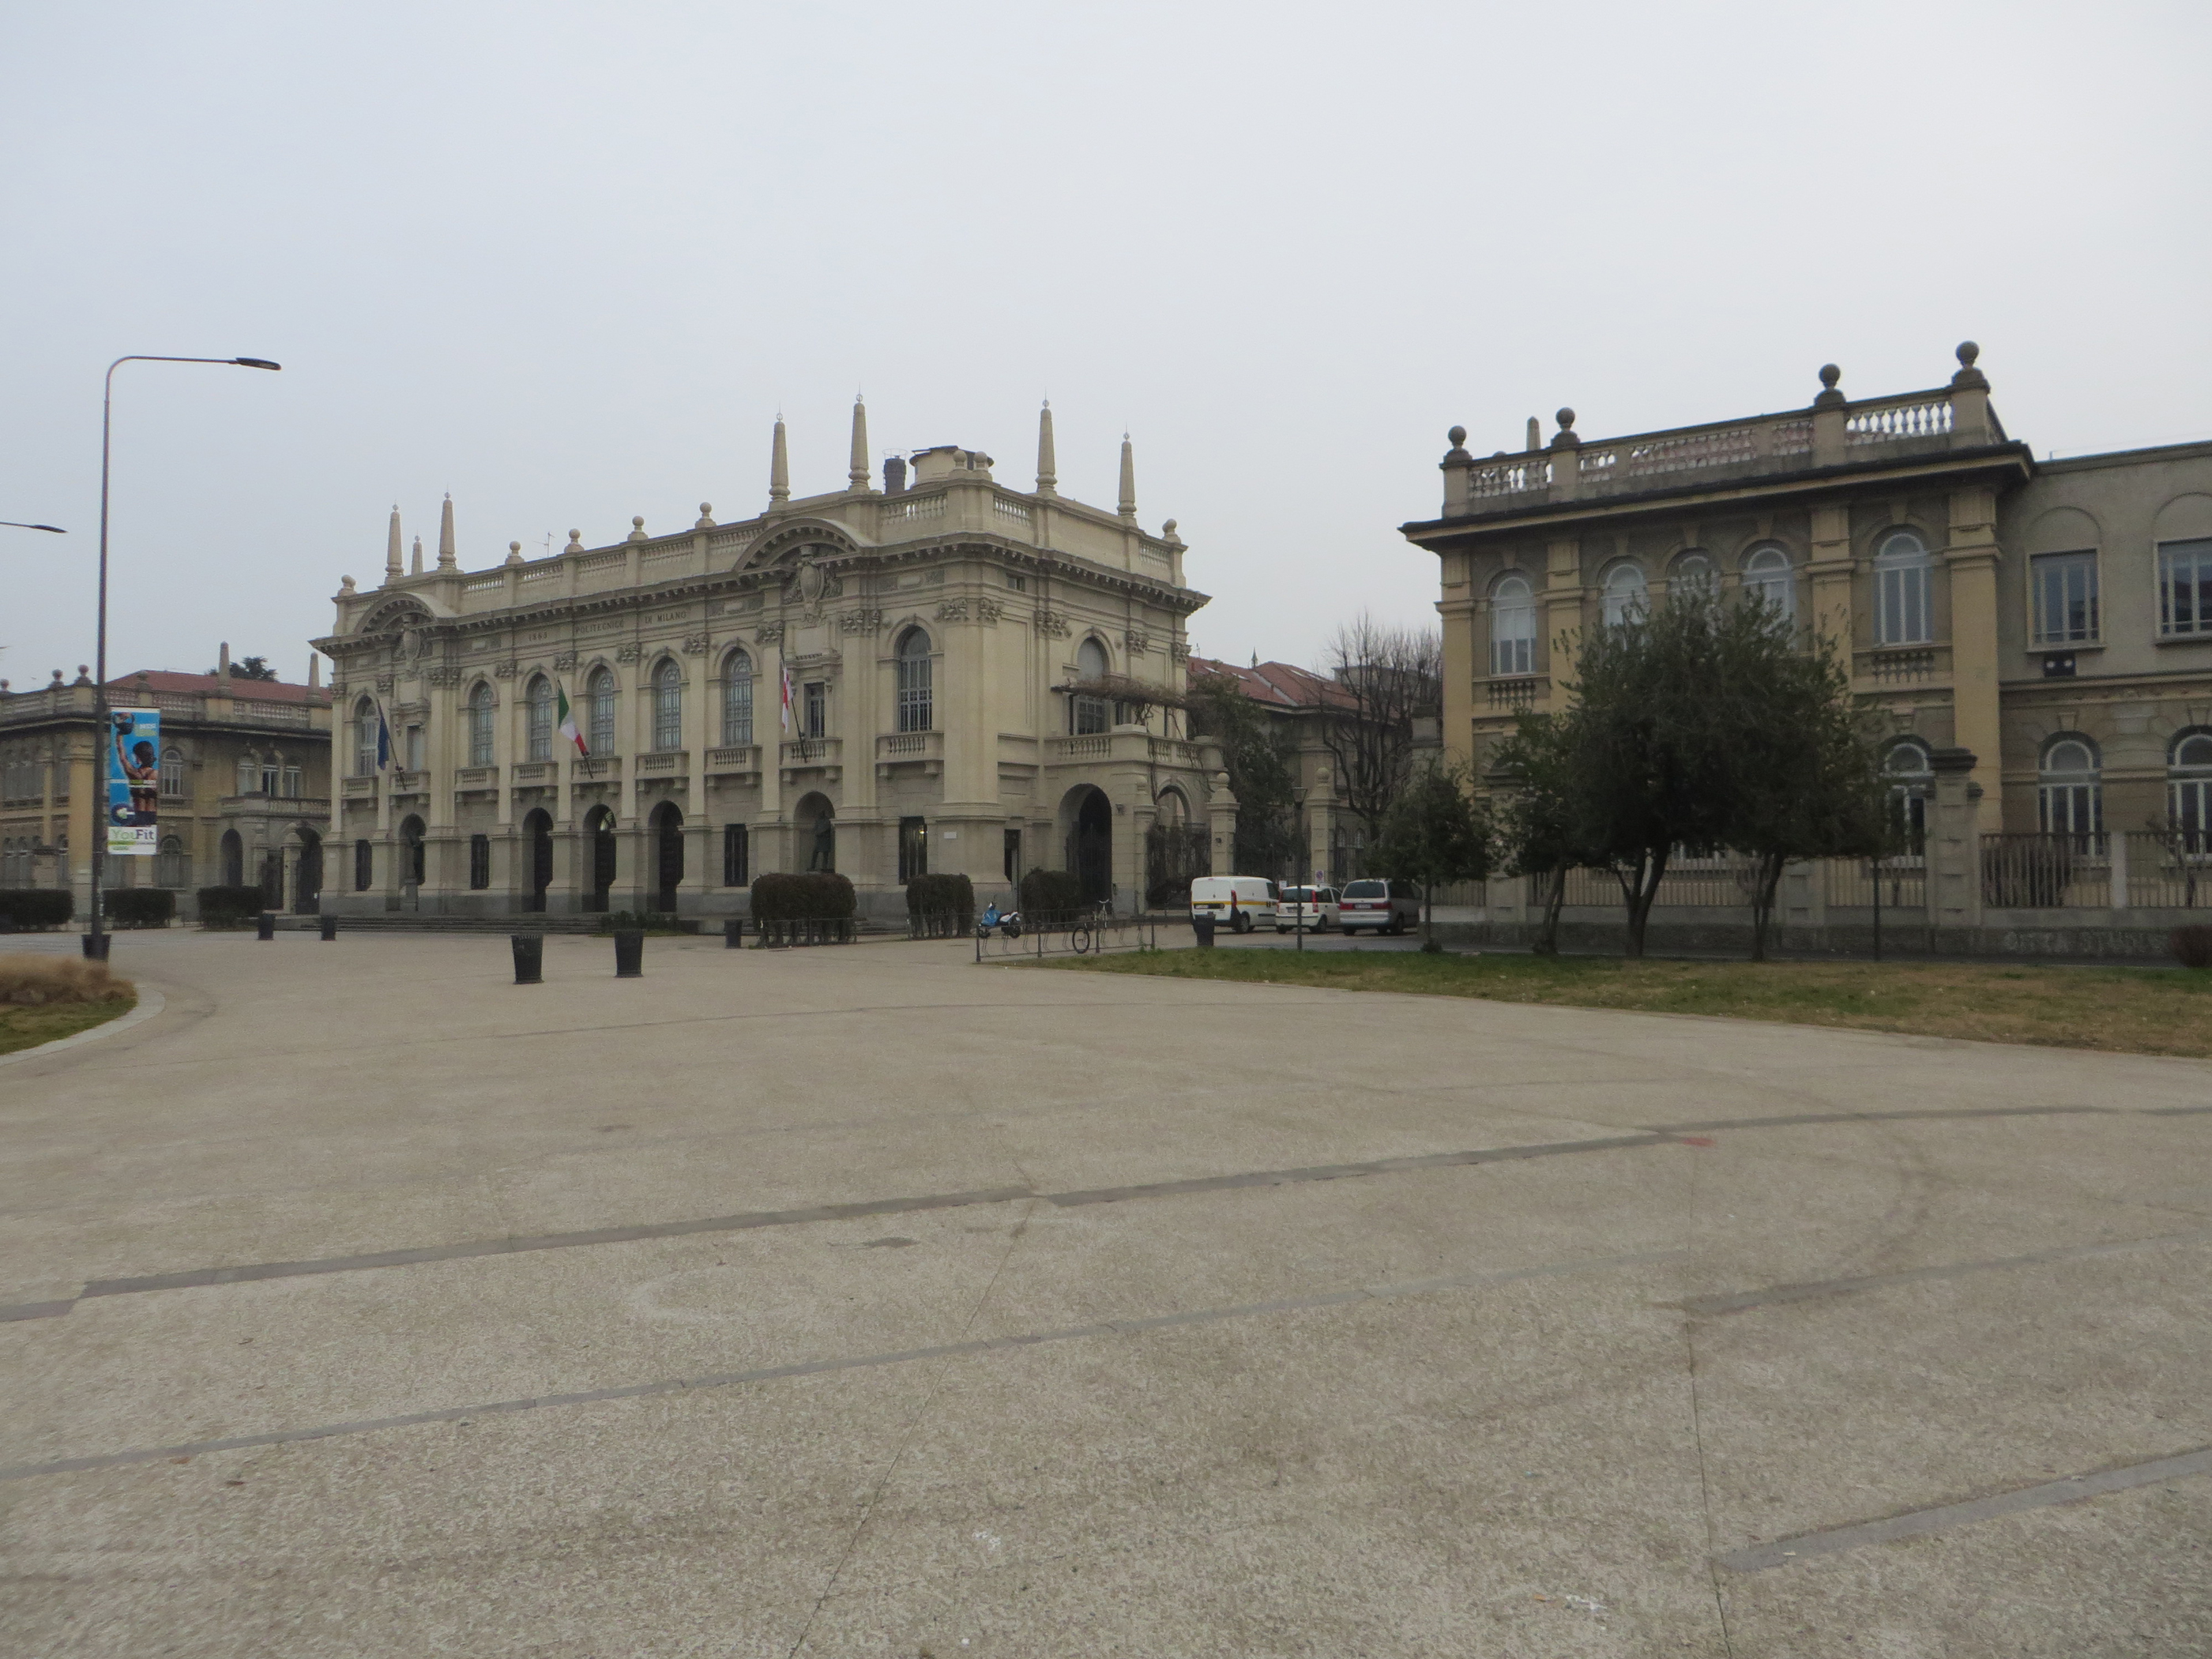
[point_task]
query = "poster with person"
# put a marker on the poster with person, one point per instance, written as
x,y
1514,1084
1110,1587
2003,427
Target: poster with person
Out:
x,y
134,781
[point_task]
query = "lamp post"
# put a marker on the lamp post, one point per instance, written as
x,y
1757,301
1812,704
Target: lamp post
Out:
x,y
50,529
96,944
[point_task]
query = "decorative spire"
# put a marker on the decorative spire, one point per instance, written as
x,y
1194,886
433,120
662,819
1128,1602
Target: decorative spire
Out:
x,y
1128,479
778,470
418,556
856,475
1047,463
314,670
445,558
1536,435
391,546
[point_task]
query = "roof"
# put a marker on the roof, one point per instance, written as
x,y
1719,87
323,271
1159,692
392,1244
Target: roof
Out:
x,y
1278,684
168,679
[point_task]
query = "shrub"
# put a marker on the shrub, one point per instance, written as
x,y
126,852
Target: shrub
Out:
x,y
38,906
2191,946
1050,897
802,896
230,907
140,907
940,906
645,921
34,979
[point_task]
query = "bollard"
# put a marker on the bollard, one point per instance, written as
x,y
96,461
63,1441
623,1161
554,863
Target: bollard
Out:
x,y
530,958
265,924
95,946
330,926
1203,927
733,932
629,954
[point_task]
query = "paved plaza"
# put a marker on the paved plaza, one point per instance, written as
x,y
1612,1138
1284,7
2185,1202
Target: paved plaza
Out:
x,y
865,1301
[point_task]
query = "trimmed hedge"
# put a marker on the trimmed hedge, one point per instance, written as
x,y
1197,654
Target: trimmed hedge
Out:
x,y
140,907
802,896
940,906
2191,946
27,908
1051,898
230,907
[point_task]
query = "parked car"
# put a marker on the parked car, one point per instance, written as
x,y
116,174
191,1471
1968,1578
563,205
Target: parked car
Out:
x,y
1388,907
1253,901
1315,908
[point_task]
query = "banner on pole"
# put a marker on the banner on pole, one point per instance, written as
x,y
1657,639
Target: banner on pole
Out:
x,y
134,781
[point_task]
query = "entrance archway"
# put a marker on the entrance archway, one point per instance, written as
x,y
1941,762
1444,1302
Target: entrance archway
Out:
x,y
411,851
308,872
537,828
667,854
599,837
1088,816
817,820
233,859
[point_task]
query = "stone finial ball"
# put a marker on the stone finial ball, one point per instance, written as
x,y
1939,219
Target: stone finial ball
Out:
x,y
1167,529
1566,418
706,507
1830,375
1967,352
638,523
575,535
514,547
1458,436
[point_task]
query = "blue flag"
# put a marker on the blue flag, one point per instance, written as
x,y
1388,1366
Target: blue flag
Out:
x,y
383,741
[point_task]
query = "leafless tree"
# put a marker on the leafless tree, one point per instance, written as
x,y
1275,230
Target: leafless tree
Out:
x,y
1377,681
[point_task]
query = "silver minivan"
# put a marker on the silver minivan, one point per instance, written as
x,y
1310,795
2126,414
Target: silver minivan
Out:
x,y
1388,907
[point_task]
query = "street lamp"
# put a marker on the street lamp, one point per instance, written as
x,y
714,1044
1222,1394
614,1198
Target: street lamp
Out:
x,y
50,529
95,942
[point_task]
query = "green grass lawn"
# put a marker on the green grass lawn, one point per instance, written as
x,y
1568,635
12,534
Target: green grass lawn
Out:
x,y
2148,1010
26,1028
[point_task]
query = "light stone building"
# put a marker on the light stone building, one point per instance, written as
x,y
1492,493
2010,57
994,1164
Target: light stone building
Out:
x,y
944,674
2037,635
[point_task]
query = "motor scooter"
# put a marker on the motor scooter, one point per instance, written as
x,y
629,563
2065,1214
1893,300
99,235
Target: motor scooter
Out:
x,y
1006,923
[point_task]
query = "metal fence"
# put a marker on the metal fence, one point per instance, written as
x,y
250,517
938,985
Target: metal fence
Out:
x,y
2134,870
1898,884
1090,933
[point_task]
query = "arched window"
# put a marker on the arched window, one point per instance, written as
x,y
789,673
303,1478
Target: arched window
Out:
x,y
917,712
1624,594
1769,580
1087,711
173,771
1901,611
2189,791
1911,780
367,732
599,707
537,715
1513,627
1693,577
2069,790
170,867
479,712
233,859
667,705
737,704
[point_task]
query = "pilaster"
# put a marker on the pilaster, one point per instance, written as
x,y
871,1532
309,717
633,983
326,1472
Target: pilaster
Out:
x,y
1971,558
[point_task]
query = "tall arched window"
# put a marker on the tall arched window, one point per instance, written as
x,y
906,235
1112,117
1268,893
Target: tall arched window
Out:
x,y
2189,791
1768,577
537,714
1513,627
1624,594
2069,790
599,707
173,771
1086,711
1901,611
480,749
1911,781
737,703
667,705
366,728
916,711
1693,577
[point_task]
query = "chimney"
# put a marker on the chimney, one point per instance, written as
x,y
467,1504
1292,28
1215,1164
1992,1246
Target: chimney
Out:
x,y
314,670
222,661
895,476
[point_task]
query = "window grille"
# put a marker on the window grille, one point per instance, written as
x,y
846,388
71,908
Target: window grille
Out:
x,y
538,718
736,855
667,705
916,712
737,709
2064,586
599,698
480,735
912,848
479,862
364,739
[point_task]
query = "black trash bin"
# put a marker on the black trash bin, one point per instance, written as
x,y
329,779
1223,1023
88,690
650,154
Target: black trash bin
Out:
x,y
629,954
330,926
529,958
95,946
734,932
265,924
1203,927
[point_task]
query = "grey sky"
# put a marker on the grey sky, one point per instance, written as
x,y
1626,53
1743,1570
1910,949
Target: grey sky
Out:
x,y
566,261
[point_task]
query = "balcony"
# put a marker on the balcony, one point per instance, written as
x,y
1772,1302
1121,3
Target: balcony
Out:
x,y
1175,751
274,806
475,777
1061,751
910,746
823,755
361,788
539,772
1511,694
1887,666
664,763
734,760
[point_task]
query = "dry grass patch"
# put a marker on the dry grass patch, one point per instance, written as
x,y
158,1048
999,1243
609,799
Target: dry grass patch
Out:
x,y
2146,1011
43,997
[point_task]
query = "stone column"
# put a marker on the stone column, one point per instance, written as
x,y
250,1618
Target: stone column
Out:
x,y
1971,558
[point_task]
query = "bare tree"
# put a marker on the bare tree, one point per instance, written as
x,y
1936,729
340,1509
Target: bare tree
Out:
x,y
1379,680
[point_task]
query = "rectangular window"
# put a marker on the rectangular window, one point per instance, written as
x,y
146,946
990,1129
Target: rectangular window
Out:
x,y
738,711
1018,583
1908,815
414,748
2065,588
1513,640
1901,610
814,709
364,744
1086,716
913,849
248,774
736,855
173,774
2072,808
2185,587
539,712
291,783
1014,856
480,862
364,866
668,713
2189,808
915,713
601,736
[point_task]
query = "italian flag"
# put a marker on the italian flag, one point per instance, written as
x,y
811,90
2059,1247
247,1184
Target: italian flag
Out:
x,y
567,715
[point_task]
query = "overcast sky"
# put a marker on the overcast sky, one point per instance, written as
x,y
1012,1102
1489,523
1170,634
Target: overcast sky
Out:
x,y
566,261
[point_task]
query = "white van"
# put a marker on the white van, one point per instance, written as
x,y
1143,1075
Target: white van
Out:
x,y
1237,903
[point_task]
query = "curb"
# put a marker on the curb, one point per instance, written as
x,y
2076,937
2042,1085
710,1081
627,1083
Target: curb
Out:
x,y
151,1003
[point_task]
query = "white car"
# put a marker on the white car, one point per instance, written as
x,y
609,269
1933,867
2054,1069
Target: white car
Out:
x,y
1314,908
1239,903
